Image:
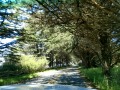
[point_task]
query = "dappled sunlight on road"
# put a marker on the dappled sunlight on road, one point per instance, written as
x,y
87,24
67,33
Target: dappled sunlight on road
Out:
x,y
63,79
67,76
49,73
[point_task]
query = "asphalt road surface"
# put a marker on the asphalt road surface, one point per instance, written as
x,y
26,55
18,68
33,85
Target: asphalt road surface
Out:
x,y
64,79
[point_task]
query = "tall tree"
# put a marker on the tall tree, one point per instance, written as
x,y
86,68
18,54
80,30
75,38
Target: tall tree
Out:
x,y
94,20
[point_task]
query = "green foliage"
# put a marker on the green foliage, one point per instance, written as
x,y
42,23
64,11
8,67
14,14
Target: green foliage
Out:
x,y
25,2
16,79
8,66
116,74
59,40
25,64
96,77
30,63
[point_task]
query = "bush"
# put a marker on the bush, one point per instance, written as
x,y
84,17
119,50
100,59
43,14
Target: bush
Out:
x,y
8,66
26,64
10,69
31,63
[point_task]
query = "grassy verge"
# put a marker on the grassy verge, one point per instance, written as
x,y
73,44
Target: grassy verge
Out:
x,y
16,79
96,77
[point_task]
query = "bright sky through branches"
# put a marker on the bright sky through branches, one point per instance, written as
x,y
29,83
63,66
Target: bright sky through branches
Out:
x,y
11,24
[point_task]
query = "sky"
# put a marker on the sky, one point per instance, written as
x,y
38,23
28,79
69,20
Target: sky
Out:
x,y
4,1
6,40
11,25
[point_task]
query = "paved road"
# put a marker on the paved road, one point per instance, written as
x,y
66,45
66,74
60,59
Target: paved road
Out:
x,y
65,79
68,76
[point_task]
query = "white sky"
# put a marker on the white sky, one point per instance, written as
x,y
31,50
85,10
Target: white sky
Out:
x,y
6,40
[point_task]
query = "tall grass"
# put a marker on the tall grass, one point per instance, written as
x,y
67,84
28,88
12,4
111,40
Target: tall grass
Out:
x,y
16,79
95,75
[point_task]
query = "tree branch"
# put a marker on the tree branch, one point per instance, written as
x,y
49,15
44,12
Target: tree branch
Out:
x,y
49,9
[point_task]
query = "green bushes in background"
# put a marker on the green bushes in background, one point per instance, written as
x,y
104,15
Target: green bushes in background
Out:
x,y
25,64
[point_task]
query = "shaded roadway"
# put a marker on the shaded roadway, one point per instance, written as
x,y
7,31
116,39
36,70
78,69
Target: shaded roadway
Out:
x,y
68,76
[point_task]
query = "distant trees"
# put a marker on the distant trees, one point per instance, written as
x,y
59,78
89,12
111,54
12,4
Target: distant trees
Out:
x,y
44,40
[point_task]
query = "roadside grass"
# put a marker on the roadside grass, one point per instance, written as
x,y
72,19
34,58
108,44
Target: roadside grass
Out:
x,y
17,79
95,76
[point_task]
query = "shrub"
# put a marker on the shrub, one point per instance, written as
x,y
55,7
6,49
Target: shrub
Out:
x,y
8,66
31,63
26,64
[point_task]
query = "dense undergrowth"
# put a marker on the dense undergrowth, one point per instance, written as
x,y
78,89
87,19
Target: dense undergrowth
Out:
x,y
97,78
25,69
26,64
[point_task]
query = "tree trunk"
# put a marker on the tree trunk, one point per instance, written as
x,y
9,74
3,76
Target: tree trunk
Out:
x,y
106,53
106,70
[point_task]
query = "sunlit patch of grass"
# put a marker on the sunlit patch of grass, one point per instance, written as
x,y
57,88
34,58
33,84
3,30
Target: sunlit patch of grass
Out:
x,y
16,79
96,77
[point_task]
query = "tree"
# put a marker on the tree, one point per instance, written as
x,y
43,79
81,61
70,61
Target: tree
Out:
x,y
92,20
